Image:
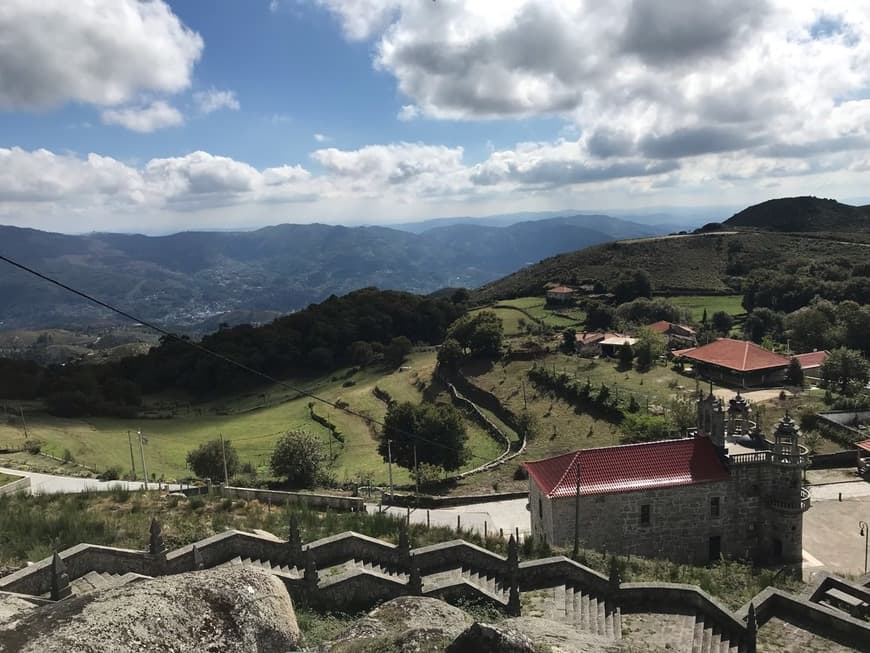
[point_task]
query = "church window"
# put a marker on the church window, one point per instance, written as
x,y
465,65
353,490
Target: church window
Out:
x,y
644,515
714,507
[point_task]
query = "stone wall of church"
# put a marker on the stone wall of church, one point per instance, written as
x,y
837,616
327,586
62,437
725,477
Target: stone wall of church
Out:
x,y
683,521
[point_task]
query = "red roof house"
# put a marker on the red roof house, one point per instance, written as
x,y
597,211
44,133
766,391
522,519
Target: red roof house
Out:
x,y
629,467
812,360
737,361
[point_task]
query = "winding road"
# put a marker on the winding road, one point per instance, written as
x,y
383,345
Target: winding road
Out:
x,y
52,484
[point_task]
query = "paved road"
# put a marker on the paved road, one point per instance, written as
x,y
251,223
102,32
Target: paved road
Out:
x,y
51,484
494,516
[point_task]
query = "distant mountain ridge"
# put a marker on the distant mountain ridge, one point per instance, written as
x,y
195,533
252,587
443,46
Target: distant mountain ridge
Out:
x,y
190,277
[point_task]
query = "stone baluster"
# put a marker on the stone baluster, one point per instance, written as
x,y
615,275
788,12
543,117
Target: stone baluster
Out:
x,y
751,629
155,541
60,588
310,576
294,542
415,581
197,559
404,549
513,563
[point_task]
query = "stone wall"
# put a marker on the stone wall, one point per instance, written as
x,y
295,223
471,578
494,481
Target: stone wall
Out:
x,y
310,500
21,485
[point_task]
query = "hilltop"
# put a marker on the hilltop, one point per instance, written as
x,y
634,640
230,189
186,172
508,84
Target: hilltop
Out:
x,y
802,214
714,259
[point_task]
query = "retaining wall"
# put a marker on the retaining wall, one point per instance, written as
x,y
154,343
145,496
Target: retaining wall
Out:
x,y
21,485
310,500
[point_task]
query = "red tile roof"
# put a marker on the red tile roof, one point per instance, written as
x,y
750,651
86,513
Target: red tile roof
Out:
x,y
562,290
864,444
738,355
812,359
661,326
629,467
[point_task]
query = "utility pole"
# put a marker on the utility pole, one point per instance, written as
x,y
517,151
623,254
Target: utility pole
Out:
x,y
390,466
224,453
525,404
576,552
23,423
132,459
142,455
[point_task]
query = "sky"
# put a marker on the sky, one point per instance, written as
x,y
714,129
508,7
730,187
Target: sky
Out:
x,y
156,116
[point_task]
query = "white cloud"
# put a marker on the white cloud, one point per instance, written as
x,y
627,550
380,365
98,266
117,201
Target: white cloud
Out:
x,y
644,81
408,112
148,118
103,52
322,138
214,100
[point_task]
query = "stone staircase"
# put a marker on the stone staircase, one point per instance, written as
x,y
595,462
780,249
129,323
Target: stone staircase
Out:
x,y
488,584
681,633
94,581
293,572
570,605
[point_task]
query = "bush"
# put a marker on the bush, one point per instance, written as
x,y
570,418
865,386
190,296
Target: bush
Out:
x,y
33,446
67,456
111,474
301,459
207,460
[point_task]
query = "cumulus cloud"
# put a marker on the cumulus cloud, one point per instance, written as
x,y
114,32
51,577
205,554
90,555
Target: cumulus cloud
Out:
x,y
56,51
643,80
148,118
214,100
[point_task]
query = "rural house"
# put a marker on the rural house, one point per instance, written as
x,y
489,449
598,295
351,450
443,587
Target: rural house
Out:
x,y
560,295
736,362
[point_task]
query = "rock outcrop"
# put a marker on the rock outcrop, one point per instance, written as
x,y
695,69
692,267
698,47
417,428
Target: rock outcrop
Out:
x,y
489,638
236,609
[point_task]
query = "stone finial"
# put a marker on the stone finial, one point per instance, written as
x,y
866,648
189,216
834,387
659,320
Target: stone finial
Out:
x,y
294,540
615,577
751,629
513,553
197,559
60,588
404,549
415,581
155,542
513,607
310,576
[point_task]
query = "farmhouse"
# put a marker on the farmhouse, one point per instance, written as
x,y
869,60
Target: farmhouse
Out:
x,y
678,335
684,500
736,362
560,295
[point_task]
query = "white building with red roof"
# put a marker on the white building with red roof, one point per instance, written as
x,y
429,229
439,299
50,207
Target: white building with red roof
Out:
x,y
685,500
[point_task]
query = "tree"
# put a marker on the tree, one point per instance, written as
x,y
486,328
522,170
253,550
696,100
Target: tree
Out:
x,y
361,353
301,459
397,350
632,285
794,375
437,431
761,323
207,460
482,333
625,354
682,414
649,346
810,328
704,317
844,369
722,322
598,316
569,339
450,353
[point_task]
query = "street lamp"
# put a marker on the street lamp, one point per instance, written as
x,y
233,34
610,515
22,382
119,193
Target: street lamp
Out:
x,y
864,530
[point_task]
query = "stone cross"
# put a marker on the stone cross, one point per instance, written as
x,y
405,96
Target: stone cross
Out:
x,y
60,588
513,607
615,577
513,554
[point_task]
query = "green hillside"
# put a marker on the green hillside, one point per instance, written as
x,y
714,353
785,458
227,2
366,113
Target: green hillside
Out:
x,y
802,214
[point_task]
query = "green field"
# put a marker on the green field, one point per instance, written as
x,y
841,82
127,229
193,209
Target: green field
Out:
x,y
510,319
103,442
537,309
731,304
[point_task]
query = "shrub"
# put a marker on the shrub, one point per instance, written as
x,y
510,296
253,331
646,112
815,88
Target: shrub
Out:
x,y
111,474
301,459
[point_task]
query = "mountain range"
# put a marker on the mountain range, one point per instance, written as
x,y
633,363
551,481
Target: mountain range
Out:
x,y
192,277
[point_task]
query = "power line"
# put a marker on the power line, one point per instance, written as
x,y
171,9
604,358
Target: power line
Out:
x,y
219,356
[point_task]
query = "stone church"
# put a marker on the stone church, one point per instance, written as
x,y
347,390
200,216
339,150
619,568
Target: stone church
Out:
x,y
684,500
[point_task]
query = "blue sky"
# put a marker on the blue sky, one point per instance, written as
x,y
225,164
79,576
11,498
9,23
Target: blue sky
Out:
x,y
144,115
